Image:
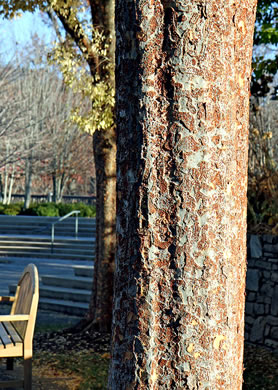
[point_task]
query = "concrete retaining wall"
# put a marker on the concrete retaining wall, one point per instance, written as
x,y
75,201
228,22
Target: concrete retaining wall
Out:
x,y
261,310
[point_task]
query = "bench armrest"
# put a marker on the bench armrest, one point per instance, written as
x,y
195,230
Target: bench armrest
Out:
x,y
14,317
6,299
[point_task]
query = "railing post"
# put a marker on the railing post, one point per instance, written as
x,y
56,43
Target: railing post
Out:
x,y
52,237
76,225
76,212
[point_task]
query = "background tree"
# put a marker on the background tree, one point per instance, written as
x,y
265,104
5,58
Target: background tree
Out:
x,y
263,172
265,54
11,138
183,73
88,31
37,137
65,141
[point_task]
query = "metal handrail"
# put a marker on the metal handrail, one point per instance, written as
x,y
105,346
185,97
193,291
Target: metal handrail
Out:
x,y
60,220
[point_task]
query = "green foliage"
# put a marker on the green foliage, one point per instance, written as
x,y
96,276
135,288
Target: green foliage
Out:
x,y
11,209
98,90
265,35
266,19
48,209
85,210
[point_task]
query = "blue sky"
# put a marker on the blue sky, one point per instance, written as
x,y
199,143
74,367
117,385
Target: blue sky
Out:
x,y
18,32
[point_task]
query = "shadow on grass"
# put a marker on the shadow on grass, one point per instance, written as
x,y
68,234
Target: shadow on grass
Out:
x,y
261,369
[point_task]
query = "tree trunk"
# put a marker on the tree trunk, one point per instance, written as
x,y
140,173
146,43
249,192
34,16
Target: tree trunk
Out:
x,y
104,144
1,189
102,290
28,181
6,178
60,187
54,187
183,71
11,185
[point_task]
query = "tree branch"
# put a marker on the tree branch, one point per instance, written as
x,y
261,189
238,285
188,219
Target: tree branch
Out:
x,y
79,36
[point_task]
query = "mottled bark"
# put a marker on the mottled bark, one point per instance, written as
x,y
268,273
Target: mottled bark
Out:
x,y
102,291
182,73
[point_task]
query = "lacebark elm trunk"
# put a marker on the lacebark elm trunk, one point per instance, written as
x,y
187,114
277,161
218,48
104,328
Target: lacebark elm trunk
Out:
x,y
182,79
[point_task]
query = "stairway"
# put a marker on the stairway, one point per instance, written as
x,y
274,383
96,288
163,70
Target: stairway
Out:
x,y
65,269
26,236
41,247
65,294
28,225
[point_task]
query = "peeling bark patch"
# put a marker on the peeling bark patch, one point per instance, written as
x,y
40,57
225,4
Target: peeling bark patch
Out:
x,y
183,89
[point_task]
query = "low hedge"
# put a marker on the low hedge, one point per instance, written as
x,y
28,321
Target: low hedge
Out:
x,y
48,209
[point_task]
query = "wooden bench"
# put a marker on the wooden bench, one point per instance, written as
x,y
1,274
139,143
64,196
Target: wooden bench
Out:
x,y
17,328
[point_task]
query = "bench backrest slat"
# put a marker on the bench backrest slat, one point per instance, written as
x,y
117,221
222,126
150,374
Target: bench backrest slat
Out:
x,y
26,299
12,332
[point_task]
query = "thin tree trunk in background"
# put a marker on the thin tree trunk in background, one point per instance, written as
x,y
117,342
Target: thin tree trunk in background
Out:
x,y
11,185
28,181
182,71
1,189
6,178
104,144
100,312
54,186
102,291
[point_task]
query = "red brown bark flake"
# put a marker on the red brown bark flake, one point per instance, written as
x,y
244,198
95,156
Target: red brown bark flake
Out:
x,y
182,70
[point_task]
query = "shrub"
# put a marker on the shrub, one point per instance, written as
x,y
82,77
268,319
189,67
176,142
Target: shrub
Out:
x,y
85,210
48,209
64,208
11,209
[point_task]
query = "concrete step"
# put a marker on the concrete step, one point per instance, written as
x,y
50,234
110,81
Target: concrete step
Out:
x,y
46,239
83,270
38,221
28,232
65,286
63,293
46,255
29,247
31,225
78,282
62,306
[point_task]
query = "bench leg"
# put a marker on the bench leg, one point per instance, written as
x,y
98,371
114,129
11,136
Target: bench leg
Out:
x,y
28,374
10,363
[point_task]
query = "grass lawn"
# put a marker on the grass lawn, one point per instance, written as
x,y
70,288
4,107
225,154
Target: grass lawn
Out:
x,y
85,370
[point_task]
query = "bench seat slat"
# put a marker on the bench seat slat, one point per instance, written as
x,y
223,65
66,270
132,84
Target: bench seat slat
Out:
x,y
13,333
6,340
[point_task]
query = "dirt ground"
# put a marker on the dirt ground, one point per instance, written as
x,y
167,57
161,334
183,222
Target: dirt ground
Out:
x,y
50,380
